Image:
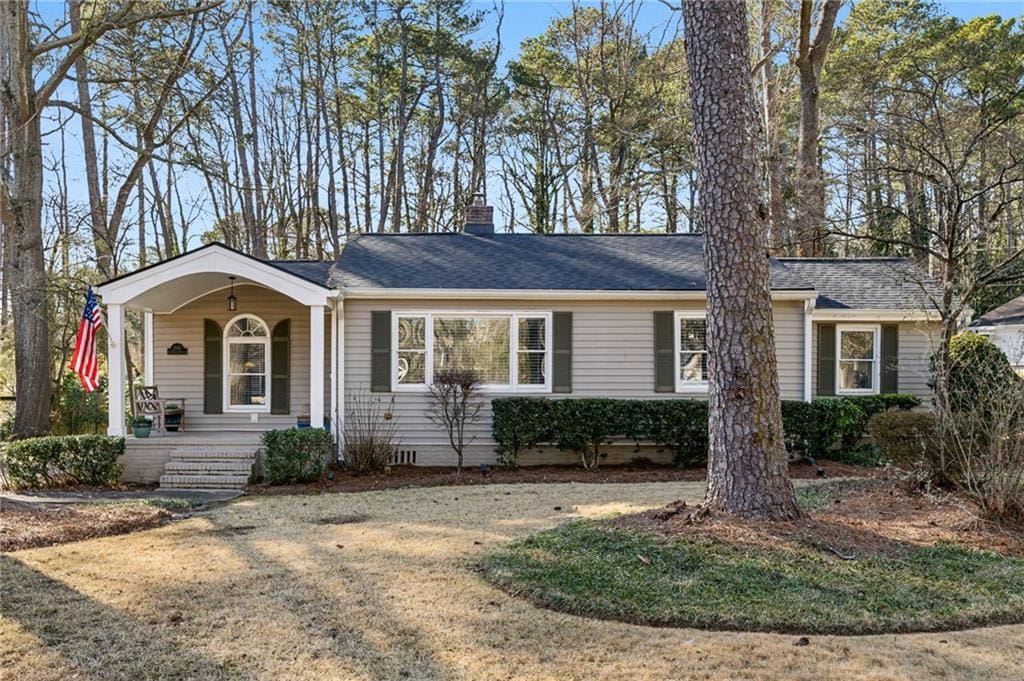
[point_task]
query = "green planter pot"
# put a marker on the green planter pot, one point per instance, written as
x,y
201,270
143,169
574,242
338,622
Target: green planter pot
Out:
x,y
142,429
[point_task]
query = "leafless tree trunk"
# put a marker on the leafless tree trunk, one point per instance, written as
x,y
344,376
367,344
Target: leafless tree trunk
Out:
x,y
747,469
810,185
778,238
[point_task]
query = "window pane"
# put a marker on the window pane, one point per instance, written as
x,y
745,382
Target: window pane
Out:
x,y
478,344
411,366
412,333
247,326
856,375
246,358
531,334
857,345
693,367
531,368
692,334
248,390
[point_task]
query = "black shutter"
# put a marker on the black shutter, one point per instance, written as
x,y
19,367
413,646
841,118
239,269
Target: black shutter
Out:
x,y
561,359
380,351
213,368
664,352
890,358
280,367
826,359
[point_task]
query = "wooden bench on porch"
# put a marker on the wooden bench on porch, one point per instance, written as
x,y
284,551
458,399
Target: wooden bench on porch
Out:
x,y
147,402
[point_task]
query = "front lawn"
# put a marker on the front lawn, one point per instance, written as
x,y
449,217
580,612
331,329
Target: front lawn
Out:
x,y
384,585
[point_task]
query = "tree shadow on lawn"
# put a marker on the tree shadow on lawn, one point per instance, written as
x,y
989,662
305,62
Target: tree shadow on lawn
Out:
x,y
97,639
303,592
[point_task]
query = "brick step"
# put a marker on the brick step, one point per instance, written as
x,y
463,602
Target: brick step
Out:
x,y
210,453
184,467
203,481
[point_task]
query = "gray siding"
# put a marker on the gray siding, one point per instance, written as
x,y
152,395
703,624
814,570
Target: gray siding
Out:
x,y
182,375
916,346
613,346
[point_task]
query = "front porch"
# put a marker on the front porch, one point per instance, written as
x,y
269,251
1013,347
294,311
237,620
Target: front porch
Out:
x,y
239,343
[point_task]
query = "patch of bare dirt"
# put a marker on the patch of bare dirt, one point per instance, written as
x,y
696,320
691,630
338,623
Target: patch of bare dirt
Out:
x,y
47,526
858,519
395,477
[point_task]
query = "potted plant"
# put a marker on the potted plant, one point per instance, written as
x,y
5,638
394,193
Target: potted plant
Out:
x,y
141,426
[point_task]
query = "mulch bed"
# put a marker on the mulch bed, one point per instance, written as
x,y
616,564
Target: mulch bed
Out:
x,y
47,526
858,519
396,477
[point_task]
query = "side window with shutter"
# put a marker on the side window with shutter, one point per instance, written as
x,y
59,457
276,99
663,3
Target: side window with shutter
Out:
x,y
826,360
664,352
280,367
380,351
890,369
561,359
213,368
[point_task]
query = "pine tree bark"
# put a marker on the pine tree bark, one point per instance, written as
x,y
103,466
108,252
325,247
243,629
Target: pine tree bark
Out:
x,y
747,467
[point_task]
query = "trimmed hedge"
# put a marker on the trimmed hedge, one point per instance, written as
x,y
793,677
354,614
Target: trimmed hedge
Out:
x,y
583,425
61,459
295,454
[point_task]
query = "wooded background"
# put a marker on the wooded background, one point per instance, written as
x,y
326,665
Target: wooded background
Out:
x,y
280,127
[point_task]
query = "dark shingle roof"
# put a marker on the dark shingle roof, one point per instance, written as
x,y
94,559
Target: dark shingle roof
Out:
x,y
866,283
318,271
528,261
1008,313
601,262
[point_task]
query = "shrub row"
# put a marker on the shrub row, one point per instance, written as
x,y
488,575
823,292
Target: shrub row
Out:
x,y
295,454
62,459
583,425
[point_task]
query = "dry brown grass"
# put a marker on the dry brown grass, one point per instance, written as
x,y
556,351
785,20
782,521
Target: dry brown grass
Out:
x,y
278,587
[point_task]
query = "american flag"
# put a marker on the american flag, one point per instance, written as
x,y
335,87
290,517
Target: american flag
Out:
x,y
84,361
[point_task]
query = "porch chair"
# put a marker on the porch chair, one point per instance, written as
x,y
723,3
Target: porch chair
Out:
x,y
148,402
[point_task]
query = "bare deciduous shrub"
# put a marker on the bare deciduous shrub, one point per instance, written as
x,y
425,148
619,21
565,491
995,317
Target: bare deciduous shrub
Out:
x,y
980,442
370,432
455,403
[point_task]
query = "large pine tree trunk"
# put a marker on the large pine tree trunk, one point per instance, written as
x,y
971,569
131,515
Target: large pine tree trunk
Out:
x,y
747,472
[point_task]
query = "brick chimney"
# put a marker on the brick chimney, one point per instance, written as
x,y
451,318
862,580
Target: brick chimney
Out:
x,y
479,218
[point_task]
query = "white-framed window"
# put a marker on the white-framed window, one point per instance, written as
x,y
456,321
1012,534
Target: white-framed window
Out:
x,y
510,351
246,364
858,352
691,351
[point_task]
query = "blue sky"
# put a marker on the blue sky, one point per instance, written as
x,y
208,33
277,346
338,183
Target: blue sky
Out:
x,y
523,19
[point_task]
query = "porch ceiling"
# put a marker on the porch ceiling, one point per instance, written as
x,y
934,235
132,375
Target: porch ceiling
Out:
x,y
169,296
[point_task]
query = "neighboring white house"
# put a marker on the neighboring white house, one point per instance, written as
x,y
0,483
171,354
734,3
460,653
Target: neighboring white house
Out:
x,y
582,315
1004,326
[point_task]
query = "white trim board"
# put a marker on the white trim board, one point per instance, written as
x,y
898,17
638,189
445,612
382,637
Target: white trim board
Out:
x,y
874,315
544,294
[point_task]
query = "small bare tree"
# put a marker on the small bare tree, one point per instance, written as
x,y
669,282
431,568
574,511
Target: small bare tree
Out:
x,y
371,433
455,403
980,449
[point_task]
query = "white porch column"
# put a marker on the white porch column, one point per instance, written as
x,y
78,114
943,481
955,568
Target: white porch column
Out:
x,y
316,366
339,372
115,370
808,309
147,349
